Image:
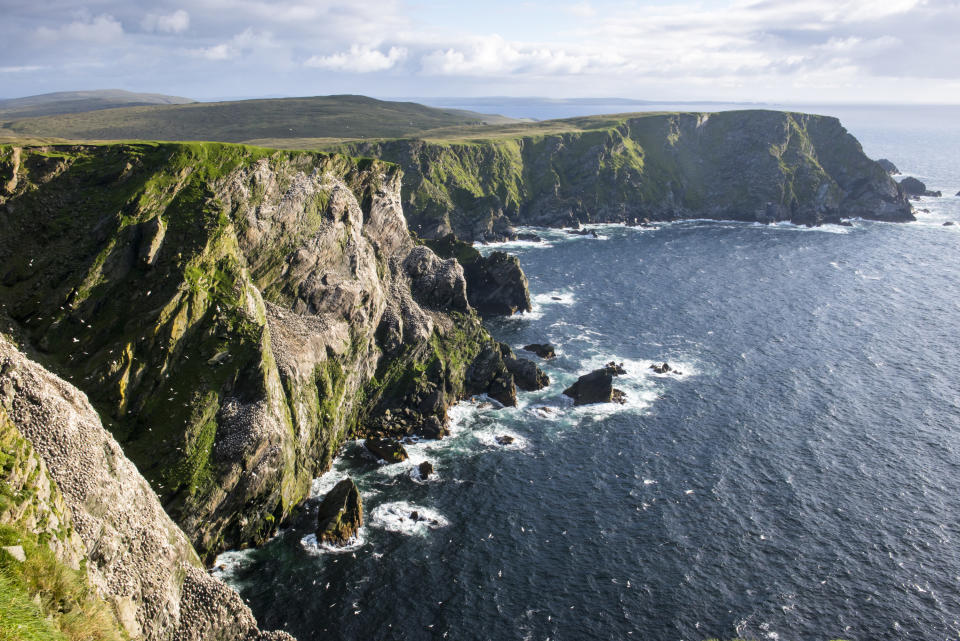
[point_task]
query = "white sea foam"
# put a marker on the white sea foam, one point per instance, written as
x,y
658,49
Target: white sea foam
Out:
x,y
315,548
398,516
227,563
559,297
488,436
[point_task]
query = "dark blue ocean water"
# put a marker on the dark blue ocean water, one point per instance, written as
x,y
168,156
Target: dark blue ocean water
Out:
x,y
799,480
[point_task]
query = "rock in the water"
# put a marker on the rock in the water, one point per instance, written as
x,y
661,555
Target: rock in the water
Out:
x,y
958,194
888,167
584,232
533,238
949,223
387,449
545,351
596,387
503,439
425,469
341,514
913,188
488,374
661,368
525,372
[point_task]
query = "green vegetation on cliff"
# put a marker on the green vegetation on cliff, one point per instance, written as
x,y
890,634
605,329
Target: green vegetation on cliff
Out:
x,y
41,597
747,165
222,306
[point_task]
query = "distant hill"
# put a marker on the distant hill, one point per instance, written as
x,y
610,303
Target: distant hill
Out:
x,y
321,117
67,102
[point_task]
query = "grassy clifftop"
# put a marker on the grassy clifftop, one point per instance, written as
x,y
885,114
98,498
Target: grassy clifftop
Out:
x,y
320,117
232,312
747,165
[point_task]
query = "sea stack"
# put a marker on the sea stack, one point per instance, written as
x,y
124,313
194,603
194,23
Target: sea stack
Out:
x,y
341,514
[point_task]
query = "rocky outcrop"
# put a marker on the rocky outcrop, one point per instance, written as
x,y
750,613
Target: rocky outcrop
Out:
x,y
526,374
888,167
488,371
597,387
235,314
915,188
496,285
340,515
386,449
134,556
764,166
545,351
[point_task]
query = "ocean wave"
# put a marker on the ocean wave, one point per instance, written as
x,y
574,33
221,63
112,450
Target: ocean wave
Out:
x,y
406,518
313,547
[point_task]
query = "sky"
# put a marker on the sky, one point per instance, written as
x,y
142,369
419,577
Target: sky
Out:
x,y
884,51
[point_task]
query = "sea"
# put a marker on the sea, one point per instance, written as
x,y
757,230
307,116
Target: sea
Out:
x,y
795,477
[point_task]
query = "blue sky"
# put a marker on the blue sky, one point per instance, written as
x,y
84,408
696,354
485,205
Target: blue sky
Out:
x,y
752,50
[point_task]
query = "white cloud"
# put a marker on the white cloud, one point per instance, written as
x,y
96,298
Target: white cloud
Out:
x,y
244,42
492,55
21,69
359,59
104,28
176,22
221,51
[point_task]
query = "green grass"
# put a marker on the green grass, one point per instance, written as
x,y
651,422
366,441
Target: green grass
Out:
x,y
43,599
246,120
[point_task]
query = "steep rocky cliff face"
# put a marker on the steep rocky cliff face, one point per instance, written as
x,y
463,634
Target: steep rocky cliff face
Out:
x,y
747,165
72,487
233,313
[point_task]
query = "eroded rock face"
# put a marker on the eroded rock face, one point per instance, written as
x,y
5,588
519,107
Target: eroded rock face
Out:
x,y
340,515
888,166
496,284
597,387
136,557
754,165
238,312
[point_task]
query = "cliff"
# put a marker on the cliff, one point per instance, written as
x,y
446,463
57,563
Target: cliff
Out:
x,y
100,553
233,314
745,165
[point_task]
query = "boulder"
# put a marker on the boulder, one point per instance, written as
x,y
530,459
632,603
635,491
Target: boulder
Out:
x,y
425,469
545,351
584,232
949,223
533,238
341,514
387,449
503,439
661,368
526,374
915,188
596,387
888,167
488,374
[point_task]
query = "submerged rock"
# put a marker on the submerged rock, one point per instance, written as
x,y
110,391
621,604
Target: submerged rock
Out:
x,y
341,514
387,449
545,351
597,387
913,188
